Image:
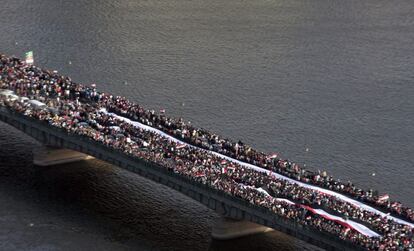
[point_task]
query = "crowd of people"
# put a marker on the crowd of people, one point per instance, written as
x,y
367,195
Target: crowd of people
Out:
x,y
240,151
83,111
53,85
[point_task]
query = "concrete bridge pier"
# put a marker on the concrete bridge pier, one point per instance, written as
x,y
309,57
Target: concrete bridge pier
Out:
x,y
227,228
49,156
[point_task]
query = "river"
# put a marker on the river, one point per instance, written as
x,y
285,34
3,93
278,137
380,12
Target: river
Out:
x,y
329,84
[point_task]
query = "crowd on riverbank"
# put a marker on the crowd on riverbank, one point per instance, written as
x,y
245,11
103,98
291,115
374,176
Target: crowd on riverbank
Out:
x,y
79,109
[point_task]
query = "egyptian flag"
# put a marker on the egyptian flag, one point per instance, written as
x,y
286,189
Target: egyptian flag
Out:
x,y
180,145
231,168
272,156
200,174
383,198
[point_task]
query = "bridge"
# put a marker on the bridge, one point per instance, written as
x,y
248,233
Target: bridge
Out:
x,y
239,216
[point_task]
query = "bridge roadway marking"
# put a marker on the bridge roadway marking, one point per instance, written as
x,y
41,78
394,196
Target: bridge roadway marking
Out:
x,y
224,204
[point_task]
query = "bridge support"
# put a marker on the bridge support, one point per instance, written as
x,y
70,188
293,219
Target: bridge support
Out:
x,y
49,156
227,228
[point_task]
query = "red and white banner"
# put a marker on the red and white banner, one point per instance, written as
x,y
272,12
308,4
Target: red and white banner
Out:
x,y
339,196
383,198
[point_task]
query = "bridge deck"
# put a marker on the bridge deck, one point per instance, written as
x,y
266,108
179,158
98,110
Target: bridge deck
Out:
x,y
219,201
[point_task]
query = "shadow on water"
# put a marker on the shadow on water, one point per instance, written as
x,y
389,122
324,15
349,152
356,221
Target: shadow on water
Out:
x,y
94,203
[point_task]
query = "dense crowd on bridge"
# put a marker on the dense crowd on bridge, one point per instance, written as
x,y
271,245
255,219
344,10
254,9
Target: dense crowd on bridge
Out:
x,y
79,110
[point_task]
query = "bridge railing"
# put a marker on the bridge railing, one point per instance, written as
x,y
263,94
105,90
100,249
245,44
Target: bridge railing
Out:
x,y
274,220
